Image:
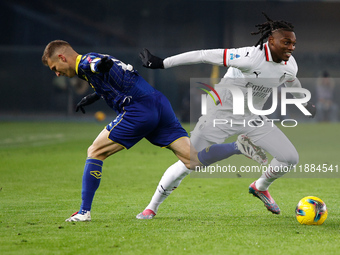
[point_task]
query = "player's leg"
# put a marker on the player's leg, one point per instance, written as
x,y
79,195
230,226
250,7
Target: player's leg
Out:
x,y
123,132
188,156
185,152
285,158
218,150
139,118
178,171
201,137
173,176
100,149
208,141
243,145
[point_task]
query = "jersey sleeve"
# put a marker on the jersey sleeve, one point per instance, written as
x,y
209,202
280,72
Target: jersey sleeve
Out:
x,y
88,63
240,58
93,65
214,57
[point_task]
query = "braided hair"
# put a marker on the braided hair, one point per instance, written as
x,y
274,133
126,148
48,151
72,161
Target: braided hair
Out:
x,y
266,28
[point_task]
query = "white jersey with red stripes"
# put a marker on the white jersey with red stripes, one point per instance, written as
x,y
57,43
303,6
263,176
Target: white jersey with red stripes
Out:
x,y
248,67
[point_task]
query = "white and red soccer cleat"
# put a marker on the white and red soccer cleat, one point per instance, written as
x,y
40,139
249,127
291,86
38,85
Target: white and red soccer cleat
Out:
x,y
82,216
147,214
265,197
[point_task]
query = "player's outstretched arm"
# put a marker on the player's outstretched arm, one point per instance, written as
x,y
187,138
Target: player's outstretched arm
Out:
x,y
151,61
214,57
89,99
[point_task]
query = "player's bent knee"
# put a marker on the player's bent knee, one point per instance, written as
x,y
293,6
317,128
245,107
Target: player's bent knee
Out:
x,y
291,158
102,151
194,164
94,152
91,151
187,165
191,164
295,161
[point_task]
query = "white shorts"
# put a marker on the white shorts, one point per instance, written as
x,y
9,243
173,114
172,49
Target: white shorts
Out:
x,y
213,129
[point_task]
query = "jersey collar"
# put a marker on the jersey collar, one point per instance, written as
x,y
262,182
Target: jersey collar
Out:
x,y
77,62
269,55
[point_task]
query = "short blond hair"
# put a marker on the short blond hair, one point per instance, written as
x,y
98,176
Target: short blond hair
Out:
x,y
51,48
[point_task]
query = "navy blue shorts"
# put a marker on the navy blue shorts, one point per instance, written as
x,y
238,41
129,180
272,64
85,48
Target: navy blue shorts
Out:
x,y
150,116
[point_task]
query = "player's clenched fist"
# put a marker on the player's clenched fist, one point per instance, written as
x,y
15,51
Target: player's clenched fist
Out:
x,y
311,108
151,61
89,99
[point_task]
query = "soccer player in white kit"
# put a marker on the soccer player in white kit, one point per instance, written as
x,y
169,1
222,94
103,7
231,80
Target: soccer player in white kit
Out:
x,y
262,67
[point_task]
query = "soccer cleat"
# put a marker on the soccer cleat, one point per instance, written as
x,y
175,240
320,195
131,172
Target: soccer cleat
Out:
x,y
265,197
250,150
147,214
83,216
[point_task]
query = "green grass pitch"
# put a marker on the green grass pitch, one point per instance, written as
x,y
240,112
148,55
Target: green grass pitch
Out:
x,y
40,183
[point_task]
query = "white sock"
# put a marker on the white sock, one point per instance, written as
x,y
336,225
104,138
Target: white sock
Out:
x,y
275,170
170,181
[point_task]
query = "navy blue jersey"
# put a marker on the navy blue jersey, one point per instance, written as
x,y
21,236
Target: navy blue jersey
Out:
x,y
121,82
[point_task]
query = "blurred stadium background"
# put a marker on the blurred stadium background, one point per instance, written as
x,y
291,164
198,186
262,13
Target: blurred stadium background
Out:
x,y
29,90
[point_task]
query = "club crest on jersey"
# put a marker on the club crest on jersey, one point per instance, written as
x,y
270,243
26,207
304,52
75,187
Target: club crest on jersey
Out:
x,y
89,59
233,56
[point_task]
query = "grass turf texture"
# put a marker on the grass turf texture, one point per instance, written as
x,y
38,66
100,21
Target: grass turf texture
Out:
x,y
40,181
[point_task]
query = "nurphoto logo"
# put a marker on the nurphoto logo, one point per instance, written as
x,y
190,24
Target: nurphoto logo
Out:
x,y
244,98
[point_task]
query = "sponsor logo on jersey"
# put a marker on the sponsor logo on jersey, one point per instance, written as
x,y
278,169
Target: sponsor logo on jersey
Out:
x,y
89,59
261,91
257,74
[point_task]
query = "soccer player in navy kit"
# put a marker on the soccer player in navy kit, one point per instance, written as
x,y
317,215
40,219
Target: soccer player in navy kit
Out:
x,y
142,111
